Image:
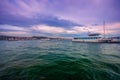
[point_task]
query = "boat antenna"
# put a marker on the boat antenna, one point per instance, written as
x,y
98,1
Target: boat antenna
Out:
x,y
104,28
87,30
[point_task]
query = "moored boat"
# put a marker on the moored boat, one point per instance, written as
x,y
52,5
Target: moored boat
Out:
x,y
92,40
86,39
95,38
115,39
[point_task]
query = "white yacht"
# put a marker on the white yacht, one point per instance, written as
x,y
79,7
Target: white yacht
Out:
x,y
95,38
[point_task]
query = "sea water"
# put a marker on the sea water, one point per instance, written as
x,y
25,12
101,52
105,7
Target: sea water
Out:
x,y
59,60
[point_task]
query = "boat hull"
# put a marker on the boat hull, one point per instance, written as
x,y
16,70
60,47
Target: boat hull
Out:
x,y
97,41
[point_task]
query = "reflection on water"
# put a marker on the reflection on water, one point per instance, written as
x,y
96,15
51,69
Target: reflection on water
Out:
x,y
59,60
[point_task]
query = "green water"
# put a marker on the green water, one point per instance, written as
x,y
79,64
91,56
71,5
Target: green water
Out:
x,y
59,60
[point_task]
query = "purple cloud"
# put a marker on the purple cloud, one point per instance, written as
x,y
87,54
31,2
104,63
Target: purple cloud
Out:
x,y
81,11
58,13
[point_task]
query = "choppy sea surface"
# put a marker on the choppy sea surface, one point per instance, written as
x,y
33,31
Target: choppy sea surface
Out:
x,y
59,60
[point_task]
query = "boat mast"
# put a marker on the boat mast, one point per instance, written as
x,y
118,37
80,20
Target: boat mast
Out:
x,y
104,28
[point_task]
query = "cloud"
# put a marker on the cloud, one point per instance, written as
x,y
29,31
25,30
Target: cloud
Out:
x,y
48,29
14,30
71,32
55,21
59,13
58,16
15,33
24,13
111,29
59,30
33,12
36,20
10,27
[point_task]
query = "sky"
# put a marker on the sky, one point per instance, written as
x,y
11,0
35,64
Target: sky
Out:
x,y
59,18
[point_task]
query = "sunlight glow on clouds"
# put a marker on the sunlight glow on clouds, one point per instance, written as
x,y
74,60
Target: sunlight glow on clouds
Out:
x,y
69,17
10,27
41,29
48,29
112,28
15,33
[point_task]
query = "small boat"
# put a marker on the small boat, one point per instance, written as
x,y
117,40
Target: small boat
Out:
x,y
47,39
115,39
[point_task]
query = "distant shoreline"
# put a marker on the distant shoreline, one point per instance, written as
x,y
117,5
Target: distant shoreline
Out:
x,y
15,38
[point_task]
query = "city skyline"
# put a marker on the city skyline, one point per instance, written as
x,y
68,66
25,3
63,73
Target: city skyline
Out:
x,y
64,18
